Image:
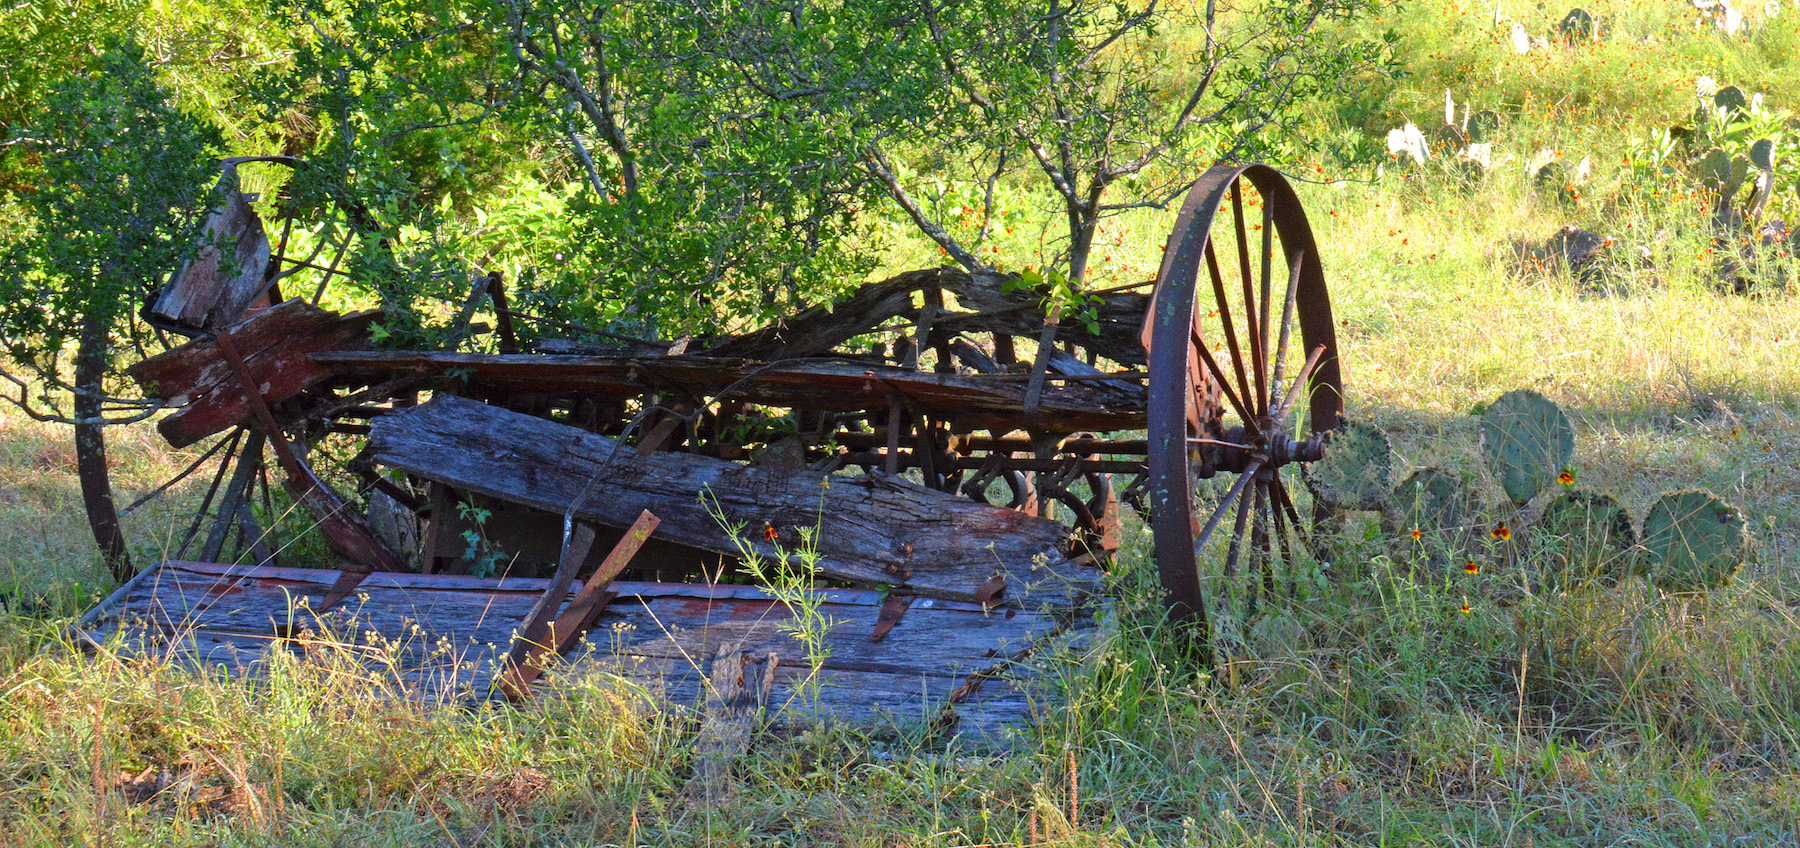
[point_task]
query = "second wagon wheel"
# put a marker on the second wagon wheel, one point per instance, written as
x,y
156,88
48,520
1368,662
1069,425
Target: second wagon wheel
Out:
x,y
1240,276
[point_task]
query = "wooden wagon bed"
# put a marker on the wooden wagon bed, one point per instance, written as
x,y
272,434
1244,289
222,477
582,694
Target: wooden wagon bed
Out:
x,y
437,636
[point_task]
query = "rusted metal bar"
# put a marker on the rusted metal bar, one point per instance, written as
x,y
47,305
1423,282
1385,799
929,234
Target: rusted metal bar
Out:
x,y
533,630
234,496
557,636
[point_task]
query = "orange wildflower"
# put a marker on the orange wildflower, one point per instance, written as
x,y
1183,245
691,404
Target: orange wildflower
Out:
x,y
769,533
1472,568
1416,534
1502,532
1567,478
1465,607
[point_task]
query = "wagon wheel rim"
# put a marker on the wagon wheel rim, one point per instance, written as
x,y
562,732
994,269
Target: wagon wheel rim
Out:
x,y
1194,393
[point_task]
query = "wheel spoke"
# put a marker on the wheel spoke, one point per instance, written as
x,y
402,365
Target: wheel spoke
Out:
x,y
1238,526
1250,312
1237,489
1237,403
1287,316
1231,339
1300,380
1262,564
1282,531
1286,504
1268,255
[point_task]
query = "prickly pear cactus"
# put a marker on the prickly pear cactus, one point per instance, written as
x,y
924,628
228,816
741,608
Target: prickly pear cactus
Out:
x,y
1762,154
1694,541
1730,99
1577,25
1714,169
1528,440
1482,125
1354,473
1589,537
1432,502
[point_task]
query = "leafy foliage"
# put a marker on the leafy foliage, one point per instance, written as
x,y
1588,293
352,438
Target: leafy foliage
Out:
x,y
123,184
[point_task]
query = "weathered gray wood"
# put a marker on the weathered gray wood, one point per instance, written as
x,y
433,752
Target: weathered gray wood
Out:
x,y
441,636
868,529
212,289
817,330
970,401
734,692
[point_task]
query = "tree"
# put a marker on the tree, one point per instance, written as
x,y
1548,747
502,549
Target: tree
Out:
x,y
712,163
122,182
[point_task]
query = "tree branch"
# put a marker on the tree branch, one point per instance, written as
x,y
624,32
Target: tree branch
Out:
x,y
883,170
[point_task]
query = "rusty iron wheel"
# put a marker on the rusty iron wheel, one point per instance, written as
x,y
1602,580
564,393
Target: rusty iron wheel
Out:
x,y
1237,410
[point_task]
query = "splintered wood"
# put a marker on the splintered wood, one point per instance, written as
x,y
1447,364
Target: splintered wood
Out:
x,y
444,637
277,344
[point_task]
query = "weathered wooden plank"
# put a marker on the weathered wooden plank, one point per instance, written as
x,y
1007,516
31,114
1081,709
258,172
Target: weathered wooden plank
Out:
x,y
971,401
1020,312
276,344
440,637
870,530
203,293
817,330
734,692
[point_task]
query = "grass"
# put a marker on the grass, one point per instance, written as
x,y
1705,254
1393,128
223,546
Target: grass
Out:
x,y
1371,712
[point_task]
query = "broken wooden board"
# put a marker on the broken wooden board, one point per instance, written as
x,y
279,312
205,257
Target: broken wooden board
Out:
x,y
869,530
969,401
276,344
213,288
441,637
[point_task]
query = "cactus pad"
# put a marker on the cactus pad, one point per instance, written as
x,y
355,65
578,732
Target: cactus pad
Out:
x,y
1448,139
1714,168
1577,25
1528,440
1762,154
1590,536
1695,540
1730,99
1431,501
1354,473
1482,125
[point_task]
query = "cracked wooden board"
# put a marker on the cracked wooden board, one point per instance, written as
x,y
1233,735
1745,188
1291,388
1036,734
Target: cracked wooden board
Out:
x,y
870,530
440,637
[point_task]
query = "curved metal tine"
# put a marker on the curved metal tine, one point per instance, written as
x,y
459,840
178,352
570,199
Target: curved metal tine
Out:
x,y
1237,403
212,491
1287,315
1237,489
1282,531
1231,339
1306,372
1286,503
1261,575
1268,257
1198,441
1251,318
1237,533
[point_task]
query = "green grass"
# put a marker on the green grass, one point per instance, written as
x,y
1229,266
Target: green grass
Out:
x,y
1373,712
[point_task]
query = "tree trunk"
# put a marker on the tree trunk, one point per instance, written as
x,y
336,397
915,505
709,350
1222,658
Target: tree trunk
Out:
x,y
90,449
